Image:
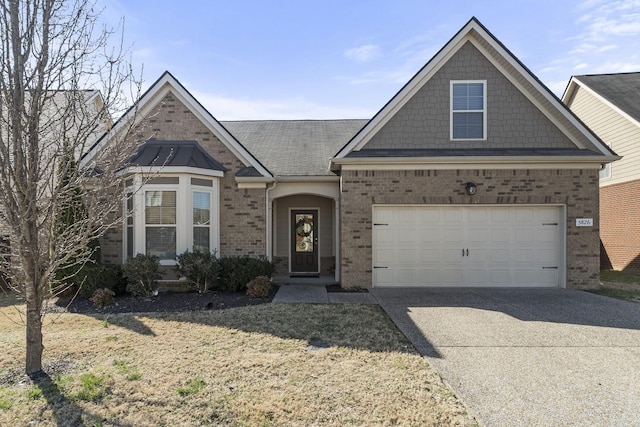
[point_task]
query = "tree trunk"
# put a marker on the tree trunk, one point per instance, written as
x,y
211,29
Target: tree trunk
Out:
x,y
34,337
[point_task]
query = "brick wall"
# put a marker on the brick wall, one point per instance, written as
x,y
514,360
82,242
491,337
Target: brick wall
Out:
x,y
620,225
577,189
242,211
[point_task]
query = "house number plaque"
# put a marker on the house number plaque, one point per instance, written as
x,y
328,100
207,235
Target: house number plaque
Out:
x,y
584,222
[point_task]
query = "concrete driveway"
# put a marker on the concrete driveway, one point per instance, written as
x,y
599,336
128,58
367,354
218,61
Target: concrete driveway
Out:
x,y
529,357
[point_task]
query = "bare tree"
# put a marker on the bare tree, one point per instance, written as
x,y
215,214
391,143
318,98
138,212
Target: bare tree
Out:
x,y
51,52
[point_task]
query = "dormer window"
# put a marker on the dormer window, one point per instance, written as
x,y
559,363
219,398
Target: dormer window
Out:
x,y
468,110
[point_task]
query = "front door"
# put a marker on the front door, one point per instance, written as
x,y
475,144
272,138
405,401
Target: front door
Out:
x,y
304,241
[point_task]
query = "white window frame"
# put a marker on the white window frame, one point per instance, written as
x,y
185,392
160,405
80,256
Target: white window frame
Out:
x,y
483,111
205,190
162,188
184,213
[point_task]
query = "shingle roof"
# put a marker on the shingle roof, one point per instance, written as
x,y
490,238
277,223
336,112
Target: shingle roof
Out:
x,y
294,147
622,90
174,153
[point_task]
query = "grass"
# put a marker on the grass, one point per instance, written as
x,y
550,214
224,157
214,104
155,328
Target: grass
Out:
x,y
627,277
624,285
241,367
192,387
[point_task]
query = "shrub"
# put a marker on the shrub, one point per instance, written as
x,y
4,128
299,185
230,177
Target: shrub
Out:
x,y
102,297
202,269
236,272
141,272
93,277
260,287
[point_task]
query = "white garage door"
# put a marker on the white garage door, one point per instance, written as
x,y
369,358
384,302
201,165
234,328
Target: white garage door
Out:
x,y
468,246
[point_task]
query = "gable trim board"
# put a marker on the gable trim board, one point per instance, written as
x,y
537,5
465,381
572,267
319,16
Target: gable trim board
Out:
x,y
165,84
476,34
575,82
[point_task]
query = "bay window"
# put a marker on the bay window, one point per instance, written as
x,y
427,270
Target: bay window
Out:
x,y
169,215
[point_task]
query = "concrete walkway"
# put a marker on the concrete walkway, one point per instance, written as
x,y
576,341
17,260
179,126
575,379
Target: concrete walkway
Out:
x,y
528,357
317,294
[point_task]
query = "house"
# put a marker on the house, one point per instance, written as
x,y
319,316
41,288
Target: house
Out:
x,y
610,105
73,117
473,174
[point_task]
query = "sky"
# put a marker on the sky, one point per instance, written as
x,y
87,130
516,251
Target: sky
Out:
x,y
312,59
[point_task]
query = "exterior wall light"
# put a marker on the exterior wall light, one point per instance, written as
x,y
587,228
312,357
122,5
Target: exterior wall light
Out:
x,y
470,188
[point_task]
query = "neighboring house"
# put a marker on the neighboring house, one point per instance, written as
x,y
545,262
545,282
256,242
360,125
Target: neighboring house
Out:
x,y
474,174
74,116
610,105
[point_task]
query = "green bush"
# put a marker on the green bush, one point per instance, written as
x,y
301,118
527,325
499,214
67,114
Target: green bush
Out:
x,y
141,272
202,269
260,287
236,272
93,277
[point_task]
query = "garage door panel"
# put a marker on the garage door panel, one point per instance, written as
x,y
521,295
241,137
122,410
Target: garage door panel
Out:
x,y
507,245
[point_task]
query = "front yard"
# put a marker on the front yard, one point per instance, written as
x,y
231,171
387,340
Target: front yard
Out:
x,y
270,364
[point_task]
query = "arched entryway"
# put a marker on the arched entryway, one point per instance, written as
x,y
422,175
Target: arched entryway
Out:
x,y
303,235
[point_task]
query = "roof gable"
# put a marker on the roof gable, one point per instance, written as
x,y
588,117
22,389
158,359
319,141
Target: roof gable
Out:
x,y
621,91
168,83
475,35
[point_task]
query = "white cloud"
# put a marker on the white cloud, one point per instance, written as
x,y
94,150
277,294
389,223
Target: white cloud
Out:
x,y
580,66
364,53
225,108
617,67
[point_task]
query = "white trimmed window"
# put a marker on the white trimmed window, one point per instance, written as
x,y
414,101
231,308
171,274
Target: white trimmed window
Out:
x,y
172,214
160,223
469,110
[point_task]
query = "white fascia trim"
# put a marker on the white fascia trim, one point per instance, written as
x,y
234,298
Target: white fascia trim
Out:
x,y
313,178
165,84
540,89
577,82
173,170
454,163
439,60
405,94
218,130
249,185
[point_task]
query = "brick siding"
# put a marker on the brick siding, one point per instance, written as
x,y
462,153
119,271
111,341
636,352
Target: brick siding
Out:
x,y
620,225
242,211
576,189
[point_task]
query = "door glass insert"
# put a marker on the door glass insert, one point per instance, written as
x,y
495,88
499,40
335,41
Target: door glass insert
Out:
x,y
304,232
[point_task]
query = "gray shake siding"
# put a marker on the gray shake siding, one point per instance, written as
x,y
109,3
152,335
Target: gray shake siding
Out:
x,y
512,120
362,189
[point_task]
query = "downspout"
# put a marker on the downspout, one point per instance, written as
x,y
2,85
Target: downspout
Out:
x,y
269,221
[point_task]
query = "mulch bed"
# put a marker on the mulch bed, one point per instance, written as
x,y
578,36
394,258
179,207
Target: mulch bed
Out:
x,y
163,302
169,302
